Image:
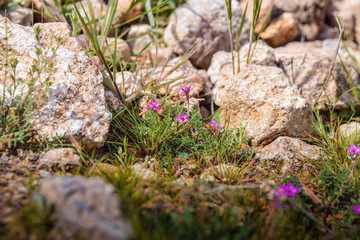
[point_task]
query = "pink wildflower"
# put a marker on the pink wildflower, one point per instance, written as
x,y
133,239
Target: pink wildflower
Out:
x,y
357,209
185,90
215,125
182,118
283,191
153,105
353,149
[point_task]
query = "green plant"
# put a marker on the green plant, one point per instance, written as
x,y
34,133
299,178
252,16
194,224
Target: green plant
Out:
x,y
19,98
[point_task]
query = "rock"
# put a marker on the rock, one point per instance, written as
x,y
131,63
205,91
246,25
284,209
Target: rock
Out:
x,y
143,172
122,48
328,32
164,55
221,62
308,64
350,130
281,31
84,209
128,84
100,168
172,81
289,151
310,14
265,7
139,37
18,15
123,7
99,8
59,158
263,99
348,12
74,106
204,22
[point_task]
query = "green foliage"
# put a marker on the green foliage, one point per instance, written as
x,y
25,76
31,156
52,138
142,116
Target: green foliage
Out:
x,y
19,98
32,221
161,136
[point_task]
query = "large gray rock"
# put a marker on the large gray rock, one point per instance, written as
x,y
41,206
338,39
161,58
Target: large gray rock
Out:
x,y
310,14
263,99
74,106
307,65
84,209
205,23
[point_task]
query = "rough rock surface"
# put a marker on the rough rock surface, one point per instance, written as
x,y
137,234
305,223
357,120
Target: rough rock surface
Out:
x,y
281,31
288,150
59,158
351,129
307,66
348,12
185,75
139,37
204,22
263,99
74,106
221,62
84,209
128,84
310,14
18,15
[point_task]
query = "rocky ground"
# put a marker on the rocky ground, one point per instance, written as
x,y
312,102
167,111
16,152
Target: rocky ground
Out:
x,y
298,71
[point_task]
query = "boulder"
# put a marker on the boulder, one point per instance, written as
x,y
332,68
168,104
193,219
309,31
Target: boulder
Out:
x,y
59,158
221,62
84,209
73,106
307,65
310,14
205,23
281,31
289,151
266,102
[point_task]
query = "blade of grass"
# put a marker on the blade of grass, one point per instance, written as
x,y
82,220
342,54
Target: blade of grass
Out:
x,y
261,29
238,34
228,4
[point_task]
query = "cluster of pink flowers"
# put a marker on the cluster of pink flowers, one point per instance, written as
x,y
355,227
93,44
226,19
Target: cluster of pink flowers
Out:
x,y
153,105
185,90
182,118
353,149
215,125
286,191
